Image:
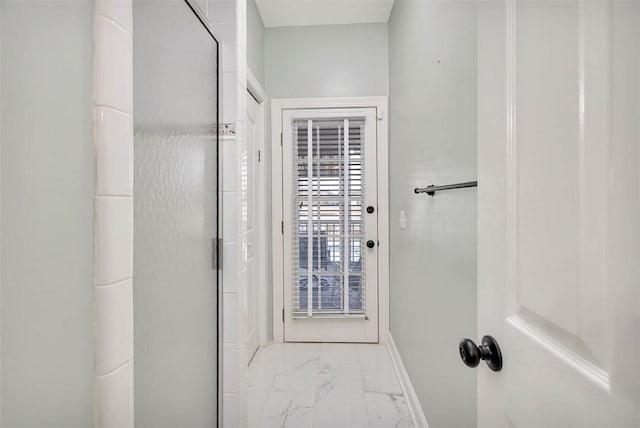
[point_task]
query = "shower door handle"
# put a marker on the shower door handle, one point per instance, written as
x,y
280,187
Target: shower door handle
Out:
x,y
216,254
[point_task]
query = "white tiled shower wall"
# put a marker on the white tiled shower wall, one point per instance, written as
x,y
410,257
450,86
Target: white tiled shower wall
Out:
x,y
113,138
113,128
230,24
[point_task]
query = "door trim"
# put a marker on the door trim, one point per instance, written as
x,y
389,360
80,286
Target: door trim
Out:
x,y
262,224
382,129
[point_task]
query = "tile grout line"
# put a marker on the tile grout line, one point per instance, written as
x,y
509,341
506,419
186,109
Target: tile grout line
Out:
x,y
109,373
264,404
113,21
315,392
111,107
364,388
114,283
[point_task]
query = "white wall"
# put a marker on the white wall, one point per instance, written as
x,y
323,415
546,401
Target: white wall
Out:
x,y
255,42
322,61
47,177
432,91
1,73
326,61
1,50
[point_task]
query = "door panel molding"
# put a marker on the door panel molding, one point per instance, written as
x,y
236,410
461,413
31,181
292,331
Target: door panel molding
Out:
x,y
565,343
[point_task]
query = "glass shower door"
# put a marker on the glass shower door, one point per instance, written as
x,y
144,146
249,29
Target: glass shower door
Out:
x,y
175,216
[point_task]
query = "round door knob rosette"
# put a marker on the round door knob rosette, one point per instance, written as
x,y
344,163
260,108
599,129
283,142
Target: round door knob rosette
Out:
x,y
370,243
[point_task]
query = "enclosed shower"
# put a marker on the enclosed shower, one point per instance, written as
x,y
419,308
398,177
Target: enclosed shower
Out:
x,y
108,214
175,67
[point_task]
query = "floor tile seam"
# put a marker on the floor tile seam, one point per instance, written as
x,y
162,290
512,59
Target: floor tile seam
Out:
x,y
366,405
264,403
315,397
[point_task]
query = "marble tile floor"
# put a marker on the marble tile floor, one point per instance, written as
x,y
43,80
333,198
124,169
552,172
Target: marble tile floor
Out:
x,y
325,385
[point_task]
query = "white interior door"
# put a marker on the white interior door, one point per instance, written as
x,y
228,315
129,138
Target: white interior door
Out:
x,y
558,214
249,188
330,225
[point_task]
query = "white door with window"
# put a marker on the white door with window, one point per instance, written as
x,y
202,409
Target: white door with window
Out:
x,y
330,227
559,212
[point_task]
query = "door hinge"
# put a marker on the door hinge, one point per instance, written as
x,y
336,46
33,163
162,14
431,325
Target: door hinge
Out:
x,y
282,315
281,138
282,227
216,254
258,155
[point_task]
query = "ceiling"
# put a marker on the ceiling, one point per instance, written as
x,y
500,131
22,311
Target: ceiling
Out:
x,y
289,13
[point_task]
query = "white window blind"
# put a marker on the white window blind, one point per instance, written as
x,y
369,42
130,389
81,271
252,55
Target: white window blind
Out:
x,y
328,227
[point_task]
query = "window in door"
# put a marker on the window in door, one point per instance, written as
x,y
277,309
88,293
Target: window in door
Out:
x,y
328,168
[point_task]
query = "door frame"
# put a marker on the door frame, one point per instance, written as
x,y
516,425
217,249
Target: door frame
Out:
x,y
262,224
277,215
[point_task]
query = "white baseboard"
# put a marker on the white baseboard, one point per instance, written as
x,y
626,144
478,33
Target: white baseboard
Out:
x,y
417,415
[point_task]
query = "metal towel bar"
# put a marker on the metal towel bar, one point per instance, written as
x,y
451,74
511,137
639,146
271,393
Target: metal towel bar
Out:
x,y
431,190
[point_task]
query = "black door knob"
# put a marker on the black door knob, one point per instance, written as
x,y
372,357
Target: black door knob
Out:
x,y
370,243
488,351
370,209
